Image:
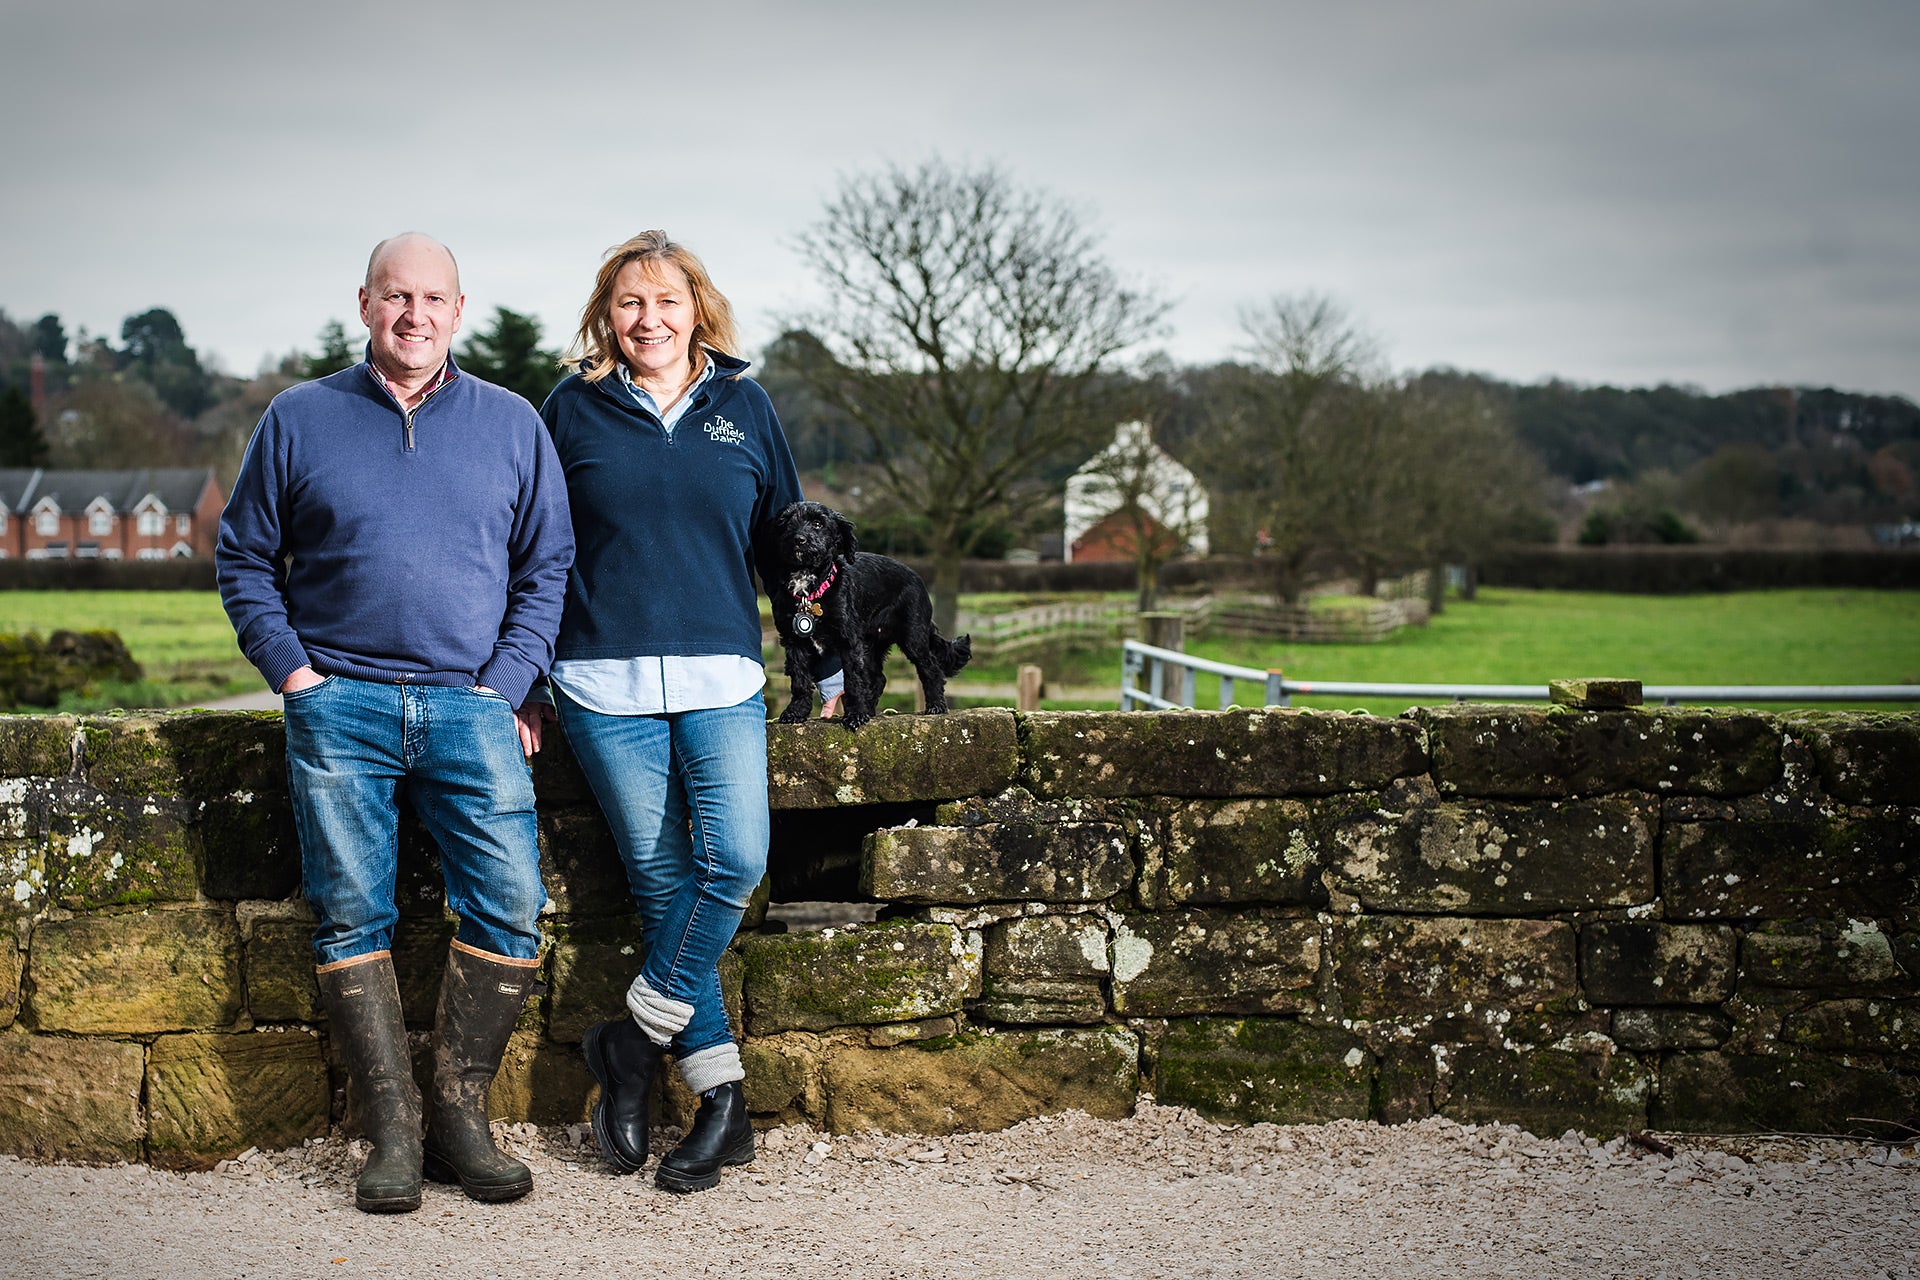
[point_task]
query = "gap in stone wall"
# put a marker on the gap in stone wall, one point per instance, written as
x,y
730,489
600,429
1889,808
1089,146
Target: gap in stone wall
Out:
x,y
815,853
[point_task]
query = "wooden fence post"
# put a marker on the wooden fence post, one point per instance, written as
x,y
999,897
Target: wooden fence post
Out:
x,y
1027,695
1164,631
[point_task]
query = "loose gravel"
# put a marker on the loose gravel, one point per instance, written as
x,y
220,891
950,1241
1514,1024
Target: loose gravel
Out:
x,y
1163,1193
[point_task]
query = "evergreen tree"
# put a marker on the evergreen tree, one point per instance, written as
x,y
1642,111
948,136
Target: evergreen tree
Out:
x,y
508,354
334,354
21,443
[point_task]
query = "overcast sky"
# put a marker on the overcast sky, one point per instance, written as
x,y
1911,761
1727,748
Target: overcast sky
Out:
x,y
1636,191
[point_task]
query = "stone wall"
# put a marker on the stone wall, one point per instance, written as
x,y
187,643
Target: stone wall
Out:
x,y
1558,918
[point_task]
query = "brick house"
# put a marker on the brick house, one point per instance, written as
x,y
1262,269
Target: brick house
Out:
x,y
153,514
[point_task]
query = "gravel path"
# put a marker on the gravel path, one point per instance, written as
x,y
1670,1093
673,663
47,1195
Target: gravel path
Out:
x,y
1161,1194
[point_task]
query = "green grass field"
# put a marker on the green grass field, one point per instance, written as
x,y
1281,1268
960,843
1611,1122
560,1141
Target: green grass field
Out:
x,y
183,641
1525,637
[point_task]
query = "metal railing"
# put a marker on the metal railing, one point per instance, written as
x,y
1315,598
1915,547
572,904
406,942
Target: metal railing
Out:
x,y
1160,666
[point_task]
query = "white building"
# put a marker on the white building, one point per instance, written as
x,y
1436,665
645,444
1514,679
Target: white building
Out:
x,y
1133,463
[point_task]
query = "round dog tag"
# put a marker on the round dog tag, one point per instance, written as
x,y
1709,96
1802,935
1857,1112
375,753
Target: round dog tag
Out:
x,y
803,624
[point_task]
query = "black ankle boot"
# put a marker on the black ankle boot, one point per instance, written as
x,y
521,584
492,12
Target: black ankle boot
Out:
x,y
721,1135
480,1000
624,1060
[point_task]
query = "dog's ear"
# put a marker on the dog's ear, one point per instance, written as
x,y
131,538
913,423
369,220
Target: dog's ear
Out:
x,y
845,544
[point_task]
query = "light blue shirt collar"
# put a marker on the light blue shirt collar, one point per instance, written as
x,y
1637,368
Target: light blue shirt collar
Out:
x,y
645,400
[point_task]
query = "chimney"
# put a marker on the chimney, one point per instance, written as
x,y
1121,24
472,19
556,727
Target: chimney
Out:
x,y
37,384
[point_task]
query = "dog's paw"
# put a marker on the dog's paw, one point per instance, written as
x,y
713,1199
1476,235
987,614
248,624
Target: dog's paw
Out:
x,y
853,720
936,708
796,713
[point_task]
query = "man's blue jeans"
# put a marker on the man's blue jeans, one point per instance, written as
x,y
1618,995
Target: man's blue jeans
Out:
x,y
686,796
354,749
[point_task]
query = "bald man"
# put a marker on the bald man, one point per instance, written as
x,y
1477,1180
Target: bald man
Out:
x,y
394,558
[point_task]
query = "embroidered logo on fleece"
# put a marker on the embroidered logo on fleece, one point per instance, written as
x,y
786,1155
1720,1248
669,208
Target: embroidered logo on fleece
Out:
x,y
724,432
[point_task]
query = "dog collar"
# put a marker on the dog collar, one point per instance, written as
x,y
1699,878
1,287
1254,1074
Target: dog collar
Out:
x,y
818,591
809,603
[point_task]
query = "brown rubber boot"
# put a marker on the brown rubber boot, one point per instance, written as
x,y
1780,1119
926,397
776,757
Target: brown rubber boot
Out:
x,y
480,1001
362,998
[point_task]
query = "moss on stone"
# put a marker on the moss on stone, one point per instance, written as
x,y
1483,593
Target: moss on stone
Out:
x,y
1863,757
1646,962
1223,754
1275,1070
36,746
1799,1092
1847,865
997,862
1476,973
1413,851
895,971
134,973
1197,962
893,758
1524,752
1548,1090
278,964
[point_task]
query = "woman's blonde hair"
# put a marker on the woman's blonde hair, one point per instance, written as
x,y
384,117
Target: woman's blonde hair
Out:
x,y
595,348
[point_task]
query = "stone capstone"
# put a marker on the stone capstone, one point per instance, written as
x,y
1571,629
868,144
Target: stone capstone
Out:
x,y
1644,962
1594,695
1265,752
980,1082
1863,757
1078,862
63,1099
37,746
212,1096
896,971
1414,852
1271,1070
1519,752
135,973
1193,962
892,758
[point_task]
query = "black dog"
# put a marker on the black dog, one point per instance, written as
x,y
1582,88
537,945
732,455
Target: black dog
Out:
x,y
831,597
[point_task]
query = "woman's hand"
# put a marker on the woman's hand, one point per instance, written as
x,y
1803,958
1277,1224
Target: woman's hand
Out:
x,y
531,718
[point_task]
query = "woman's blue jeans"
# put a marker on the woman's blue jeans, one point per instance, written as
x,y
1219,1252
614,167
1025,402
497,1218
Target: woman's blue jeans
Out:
x,y
686,796
354,749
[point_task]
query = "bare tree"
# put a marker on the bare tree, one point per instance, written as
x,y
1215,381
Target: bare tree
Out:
x,y
1276,441
968,326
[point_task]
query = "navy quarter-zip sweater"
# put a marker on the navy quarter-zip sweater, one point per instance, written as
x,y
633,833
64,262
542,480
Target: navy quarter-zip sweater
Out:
x,y
430,548
665,523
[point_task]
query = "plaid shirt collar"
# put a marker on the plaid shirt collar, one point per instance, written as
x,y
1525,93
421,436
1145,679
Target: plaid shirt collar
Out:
x,y
438,381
